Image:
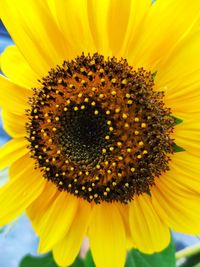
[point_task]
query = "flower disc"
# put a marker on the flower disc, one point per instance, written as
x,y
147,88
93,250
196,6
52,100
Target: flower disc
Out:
x,y
98,130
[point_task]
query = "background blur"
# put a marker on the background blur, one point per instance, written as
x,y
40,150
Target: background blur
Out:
x,y
18,238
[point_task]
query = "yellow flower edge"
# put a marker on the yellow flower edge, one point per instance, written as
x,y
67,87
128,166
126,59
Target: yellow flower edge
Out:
x,y
161,37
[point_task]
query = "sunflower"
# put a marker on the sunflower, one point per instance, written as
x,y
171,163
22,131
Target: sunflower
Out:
x,y
101,99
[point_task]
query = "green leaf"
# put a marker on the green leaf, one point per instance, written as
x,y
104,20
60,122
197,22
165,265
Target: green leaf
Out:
x,y
78,263
193,261
177,120
177,148
166,258
89,260
44,261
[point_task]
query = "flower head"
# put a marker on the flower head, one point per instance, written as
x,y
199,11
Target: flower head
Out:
x,y
101,99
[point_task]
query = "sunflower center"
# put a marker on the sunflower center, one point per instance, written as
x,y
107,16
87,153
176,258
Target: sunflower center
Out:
x,y
98,130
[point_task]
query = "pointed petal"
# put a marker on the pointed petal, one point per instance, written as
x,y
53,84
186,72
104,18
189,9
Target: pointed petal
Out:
x,y
107,236
17,194
12,151
149,233
67,249
57,221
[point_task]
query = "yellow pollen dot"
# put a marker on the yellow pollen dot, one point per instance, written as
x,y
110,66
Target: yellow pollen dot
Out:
x,y
91,197
109,122
105,193
126,125
54,129
120,158
75,180
83,81
71,85
107,189
145,152
95,195
35,110
124,116
93,103
107,137
97,178
119,174
106,162
136,132
119,143
103,150
57,118
130,102
36,117
140,143
143,125
128,95
33,138
128,150
107,112
139,156
114,183
109,171
102,80
57,91
124,81
83,187
40,157
44,149
89,189
36,146
34,132
82,107
117,110
63,173
60,183
66,161
76,191
127,184
113,80
65,109
96,112
53,159
92,62
93,184
82,69
93,89
75,108
60,81
101,70
136,119
90,73
98,166
46,114
68,101
111,148
57,106
49,120
113,93
87,173
57,174
69,185
111,129
80,95
47,160
114,164
48,169
58,152
80,173
101,95
72,168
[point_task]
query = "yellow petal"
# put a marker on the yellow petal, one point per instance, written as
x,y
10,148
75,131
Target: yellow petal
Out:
x,y
187,135
13,97
34,31
15,67
178,209
20,192
107,236
12,151
67,249
36,211
179,79
73,20
149,232
160,35
11,127
184,173
57,221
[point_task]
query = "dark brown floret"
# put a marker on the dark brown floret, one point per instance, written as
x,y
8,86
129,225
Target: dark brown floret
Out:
x,y
98,130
